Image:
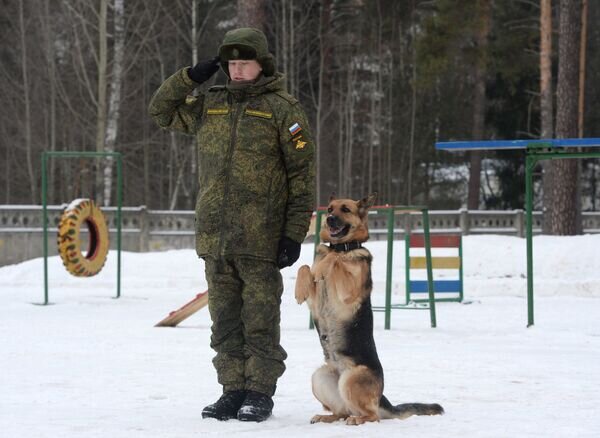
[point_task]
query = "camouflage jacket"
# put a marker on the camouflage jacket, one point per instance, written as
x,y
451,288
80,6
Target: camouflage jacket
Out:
x,y
256,163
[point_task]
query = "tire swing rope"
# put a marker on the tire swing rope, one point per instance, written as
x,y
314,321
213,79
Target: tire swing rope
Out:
x,y
77,213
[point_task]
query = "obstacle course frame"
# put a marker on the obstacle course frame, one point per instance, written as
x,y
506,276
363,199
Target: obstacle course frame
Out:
x,y
85,154
535,150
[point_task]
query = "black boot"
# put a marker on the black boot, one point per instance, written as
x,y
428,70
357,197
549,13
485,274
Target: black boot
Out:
x,y
226,407
257,407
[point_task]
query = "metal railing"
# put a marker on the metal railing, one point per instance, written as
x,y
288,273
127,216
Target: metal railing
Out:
x,y
156,230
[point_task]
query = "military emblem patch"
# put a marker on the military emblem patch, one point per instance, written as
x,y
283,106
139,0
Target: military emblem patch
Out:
x,y
300,144
294,129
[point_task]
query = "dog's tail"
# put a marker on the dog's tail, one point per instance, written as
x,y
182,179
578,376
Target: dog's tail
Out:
x,y
405,410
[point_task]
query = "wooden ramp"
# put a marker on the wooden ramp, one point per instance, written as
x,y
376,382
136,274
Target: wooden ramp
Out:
x,y
176,316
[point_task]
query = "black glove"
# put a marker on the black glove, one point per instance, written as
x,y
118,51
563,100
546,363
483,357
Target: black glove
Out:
x,y
202,71
288,252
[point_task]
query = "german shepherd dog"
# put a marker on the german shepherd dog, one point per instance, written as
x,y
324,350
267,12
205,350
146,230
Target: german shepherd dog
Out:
x,y
338,293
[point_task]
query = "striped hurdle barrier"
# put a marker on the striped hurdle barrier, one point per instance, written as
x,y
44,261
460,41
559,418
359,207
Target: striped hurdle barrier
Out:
x,y
444,290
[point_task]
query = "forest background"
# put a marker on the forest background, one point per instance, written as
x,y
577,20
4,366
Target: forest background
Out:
x,y
381,81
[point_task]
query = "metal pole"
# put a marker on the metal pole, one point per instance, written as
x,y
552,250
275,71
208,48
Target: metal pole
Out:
x,y
388,269
429,267
529,163
407,265
317,231
311,324
119,205
460,270
45,223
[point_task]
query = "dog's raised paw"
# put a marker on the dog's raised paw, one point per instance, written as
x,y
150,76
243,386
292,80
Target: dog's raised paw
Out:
x,y
304,284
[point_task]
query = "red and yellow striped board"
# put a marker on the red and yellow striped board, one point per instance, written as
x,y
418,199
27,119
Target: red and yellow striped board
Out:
x,y
444,241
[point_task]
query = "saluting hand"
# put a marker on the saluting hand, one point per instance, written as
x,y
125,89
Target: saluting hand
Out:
x,y
202,71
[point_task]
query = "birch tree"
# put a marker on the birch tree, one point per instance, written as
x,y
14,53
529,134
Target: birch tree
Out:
x,y
114,100
27,134
101,90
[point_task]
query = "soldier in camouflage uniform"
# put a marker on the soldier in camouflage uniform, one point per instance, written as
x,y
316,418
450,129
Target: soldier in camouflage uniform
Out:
x,y
256,179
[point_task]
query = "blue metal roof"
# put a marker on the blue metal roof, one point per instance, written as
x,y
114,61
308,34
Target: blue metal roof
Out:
x,y
517,144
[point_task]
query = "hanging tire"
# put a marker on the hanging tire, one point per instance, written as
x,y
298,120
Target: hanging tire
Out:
x,y
75,215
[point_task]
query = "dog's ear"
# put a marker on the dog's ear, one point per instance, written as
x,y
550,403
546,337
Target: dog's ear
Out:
x,y
367,202
332,197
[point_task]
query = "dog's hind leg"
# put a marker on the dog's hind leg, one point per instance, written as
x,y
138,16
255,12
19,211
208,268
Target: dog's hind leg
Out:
x,y
305,284
325,389
361,390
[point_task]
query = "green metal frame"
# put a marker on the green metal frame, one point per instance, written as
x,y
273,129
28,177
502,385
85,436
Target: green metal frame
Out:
x,y
65,154
458,299
391,211
536,152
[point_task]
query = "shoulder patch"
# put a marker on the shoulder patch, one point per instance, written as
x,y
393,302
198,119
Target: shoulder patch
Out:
x,y
287,97
258,113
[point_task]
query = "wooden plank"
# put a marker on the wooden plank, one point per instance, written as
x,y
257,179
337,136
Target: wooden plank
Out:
x,y
184,312
436,262
436,240
439,286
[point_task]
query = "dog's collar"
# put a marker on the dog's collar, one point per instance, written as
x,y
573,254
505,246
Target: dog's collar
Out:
x,y
345,247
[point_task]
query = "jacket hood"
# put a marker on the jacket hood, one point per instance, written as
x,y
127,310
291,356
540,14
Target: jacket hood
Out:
x,y
246,43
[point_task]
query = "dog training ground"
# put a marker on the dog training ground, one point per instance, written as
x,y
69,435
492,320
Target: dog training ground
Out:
x,y
90,365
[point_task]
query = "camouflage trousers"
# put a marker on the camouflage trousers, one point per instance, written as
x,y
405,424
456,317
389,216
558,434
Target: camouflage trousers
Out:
x,y
244,302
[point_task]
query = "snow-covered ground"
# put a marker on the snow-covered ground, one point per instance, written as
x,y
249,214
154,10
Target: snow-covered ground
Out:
x,y
92,366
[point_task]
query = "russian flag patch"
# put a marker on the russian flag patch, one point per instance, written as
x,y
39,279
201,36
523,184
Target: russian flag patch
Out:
x,y
294,129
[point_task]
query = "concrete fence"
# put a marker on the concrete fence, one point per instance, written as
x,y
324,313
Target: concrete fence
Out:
x,y
21,232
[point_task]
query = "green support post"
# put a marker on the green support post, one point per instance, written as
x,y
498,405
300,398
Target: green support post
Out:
x,y
45,224
460,272
388,267
318,213
318,220
429,267
529,165
68,154
407,267
119,220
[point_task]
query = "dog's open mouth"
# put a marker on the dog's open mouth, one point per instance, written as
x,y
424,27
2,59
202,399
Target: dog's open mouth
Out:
x,y
339,231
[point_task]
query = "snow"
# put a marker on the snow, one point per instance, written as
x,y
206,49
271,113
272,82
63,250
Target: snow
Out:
x,y
90,365
75,203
